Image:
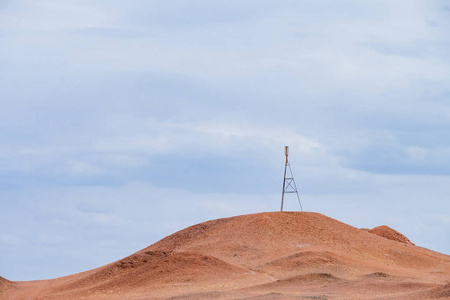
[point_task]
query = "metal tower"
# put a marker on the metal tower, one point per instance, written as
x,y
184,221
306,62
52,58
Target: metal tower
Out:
x,y
289,186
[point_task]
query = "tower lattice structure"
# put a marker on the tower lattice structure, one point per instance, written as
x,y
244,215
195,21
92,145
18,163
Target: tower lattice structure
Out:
x,y
289,186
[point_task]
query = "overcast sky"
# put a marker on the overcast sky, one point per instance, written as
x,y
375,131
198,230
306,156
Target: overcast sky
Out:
x,y
124,121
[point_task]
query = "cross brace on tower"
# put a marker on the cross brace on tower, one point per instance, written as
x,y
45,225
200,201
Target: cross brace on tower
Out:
x,y
289,186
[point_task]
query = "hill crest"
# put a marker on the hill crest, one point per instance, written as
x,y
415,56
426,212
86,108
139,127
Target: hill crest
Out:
x,y
254,254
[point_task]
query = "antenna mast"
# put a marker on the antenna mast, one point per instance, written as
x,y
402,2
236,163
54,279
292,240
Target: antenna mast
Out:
x,y
289,186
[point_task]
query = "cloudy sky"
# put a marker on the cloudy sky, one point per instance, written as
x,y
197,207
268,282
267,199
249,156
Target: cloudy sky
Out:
x,y
124,121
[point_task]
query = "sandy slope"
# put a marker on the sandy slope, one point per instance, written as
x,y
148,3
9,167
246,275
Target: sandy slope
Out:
x,y
279,255
4,284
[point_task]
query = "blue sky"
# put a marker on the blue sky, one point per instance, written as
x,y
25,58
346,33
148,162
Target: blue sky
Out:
x,y
124,121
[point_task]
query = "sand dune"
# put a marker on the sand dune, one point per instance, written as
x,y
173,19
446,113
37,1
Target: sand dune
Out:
x,y
391,234
4,284
279,255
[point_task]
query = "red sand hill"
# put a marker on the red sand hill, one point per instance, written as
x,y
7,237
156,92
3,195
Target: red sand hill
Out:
x,y
279,255
4,284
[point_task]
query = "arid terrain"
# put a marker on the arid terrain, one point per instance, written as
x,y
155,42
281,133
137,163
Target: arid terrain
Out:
x,y
277,255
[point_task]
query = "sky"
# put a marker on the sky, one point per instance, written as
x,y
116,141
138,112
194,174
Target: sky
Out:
x,y
122,122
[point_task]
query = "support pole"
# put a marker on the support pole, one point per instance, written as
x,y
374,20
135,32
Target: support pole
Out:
x,y
284,184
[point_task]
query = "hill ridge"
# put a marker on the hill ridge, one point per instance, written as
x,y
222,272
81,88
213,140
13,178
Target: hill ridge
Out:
x,y
258,254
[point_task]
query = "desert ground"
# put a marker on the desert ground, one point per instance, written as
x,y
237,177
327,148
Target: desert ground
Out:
x,y
276,255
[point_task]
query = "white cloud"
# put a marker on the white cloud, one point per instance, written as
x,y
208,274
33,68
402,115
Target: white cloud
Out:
x,y
442,217
12,241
